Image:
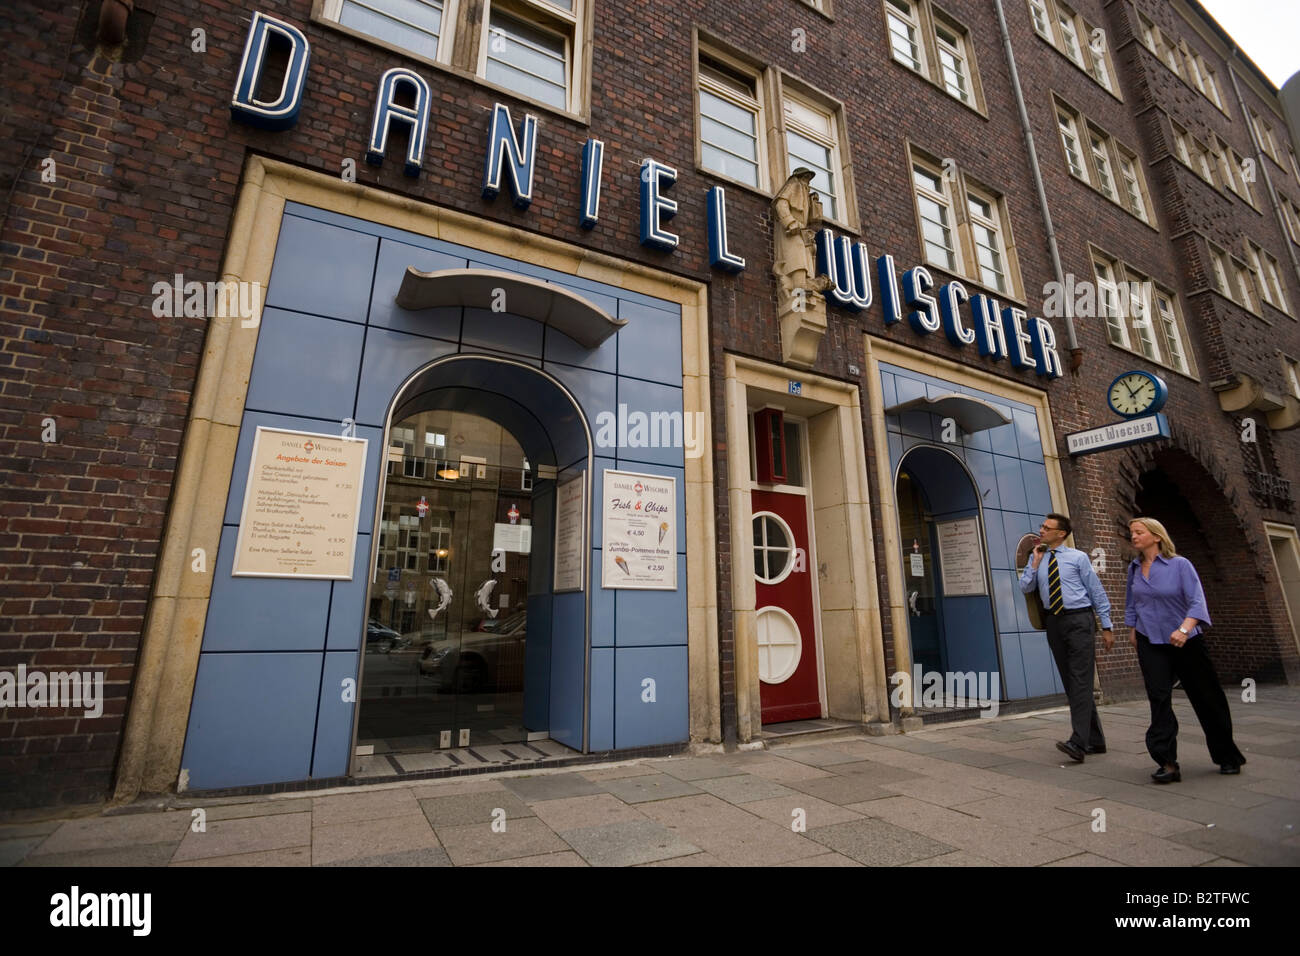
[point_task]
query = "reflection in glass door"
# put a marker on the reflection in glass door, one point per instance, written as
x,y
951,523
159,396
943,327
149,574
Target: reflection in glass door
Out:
x,y
447,623
920,575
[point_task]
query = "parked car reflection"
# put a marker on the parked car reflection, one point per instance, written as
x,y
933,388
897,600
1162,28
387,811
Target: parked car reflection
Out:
x,y
383,640
487,658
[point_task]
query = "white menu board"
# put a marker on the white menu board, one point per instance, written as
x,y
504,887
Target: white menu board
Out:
x,y
570,497
301,503
639,533
961,557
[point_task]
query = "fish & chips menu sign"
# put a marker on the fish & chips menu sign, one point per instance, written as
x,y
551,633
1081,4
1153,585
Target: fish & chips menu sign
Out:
x,y
639,535
301,504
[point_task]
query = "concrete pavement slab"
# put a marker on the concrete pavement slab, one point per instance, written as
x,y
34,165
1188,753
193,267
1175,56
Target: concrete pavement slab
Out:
x,y
245,835
816,813
563,858
101,833
744,788
651,787
697,768
551,786
878,843
472,808
148,854
590,811
1017,813
1085,859
479,843
856,788
259,808
364,839
945,793
290,856
627,843
1134,818
351,807
772,767
1132,846
12,852
956,858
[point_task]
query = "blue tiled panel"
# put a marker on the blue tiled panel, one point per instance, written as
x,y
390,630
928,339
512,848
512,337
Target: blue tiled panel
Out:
x,y
644,618
568,651
560,348
394,257
537,664
348,603
602,606
252,719
244,453
486,260
262,614
597,495
650,345
602,698
888,390
1005,593
1039,666
305,366
1011,487
390,359
1031,448
641,724
1015,526
540,570
1013,669
597,295
650,398
594,391
322,269
968,634
1000,555
502,331
895,445
1037,493
334,721
982,469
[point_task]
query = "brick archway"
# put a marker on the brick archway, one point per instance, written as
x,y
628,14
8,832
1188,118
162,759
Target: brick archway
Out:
x,y
1195,499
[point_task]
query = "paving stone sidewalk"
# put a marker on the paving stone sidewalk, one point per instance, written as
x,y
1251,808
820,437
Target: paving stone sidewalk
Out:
x,y
984,793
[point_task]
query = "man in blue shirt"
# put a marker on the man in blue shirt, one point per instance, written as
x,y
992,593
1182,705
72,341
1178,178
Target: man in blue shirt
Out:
x,y
1071,592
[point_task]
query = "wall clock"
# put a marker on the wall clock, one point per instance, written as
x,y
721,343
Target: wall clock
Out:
x,y
1137,393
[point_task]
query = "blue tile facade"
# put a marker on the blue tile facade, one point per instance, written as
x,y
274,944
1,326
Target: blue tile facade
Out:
x,y
333,344
1007,465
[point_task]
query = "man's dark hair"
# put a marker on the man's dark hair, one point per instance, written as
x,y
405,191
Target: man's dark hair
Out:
x,y
1062,522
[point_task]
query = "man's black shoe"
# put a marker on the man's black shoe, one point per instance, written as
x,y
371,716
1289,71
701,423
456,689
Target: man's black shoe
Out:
x,y
1167,776
1229,768
1071,750
1095,750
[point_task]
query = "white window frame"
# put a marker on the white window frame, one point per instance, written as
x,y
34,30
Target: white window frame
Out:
x,y
829,139
922,27
957,50
993,225
906,13
545,18
753,104
1267,276
1101,164
1171,331
1069,30
1149,325
947,202
1077,166
1040,18
1108,303
1133,193
332,10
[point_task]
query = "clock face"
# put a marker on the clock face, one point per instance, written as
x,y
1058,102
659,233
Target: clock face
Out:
x,y
1133,394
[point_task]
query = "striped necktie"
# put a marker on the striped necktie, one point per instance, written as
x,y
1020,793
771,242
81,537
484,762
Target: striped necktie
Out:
x,y
1055,600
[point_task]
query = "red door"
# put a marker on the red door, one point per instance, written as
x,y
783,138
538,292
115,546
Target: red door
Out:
x,y
785,625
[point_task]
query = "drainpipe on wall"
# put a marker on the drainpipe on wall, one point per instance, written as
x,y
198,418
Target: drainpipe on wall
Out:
x,y
1259,162
112,21
1072,341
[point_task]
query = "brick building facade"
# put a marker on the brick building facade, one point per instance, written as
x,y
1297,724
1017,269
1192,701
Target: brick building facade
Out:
x,y
1164,161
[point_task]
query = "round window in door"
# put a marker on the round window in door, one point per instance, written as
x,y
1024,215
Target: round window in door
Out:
x,y
779,645
773,548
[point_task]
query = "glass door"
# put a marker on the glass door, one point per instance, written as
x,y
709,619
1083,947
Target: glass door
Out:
x,y
445,636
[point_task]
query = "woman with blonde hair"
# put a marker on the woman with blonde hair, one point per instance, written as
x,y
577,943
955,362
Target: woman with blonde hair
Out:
x,y
1164,608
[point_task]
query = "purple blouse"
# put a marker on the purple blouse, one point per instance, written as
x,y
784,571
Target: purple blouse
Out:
x,y
1157,605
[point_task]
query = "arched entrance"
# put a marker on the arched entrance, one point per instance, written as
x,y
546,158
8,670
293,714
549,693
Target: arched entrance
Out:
x,y
469,642
1175,489
950,615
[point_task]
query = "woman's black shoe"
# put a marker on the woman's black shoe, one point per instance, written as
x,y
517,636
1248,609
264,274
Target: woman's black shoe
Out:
x,y
1229,768
1167,776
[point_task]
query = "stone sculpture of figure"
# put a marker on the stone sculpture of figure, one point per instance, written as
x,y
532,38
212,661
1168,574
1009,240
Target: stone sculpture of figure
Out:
x,y
797,213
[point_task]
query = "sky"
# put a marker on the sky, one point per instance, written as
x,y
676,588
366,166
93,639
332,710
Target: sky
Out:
x,y
1267,31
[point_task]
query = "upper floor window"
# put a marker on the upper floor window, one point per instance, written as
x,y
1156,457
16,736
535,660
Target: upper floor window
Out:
x,y
1140,315
1188,65
1074,36
532,48
755,127
1268,277
963,226
1096,159
1267,141
731,122
934,45
812,140
1291,213
1232,279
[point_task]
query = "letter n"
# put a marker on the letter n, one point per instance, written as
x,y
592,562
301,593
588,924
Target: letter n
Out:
x,y
282,112
520,163
387,109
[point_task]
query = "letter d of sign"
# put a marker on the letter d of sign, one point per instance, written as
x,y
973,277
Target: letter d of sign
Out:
x,y
720,257
387,110
282,112
520,163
